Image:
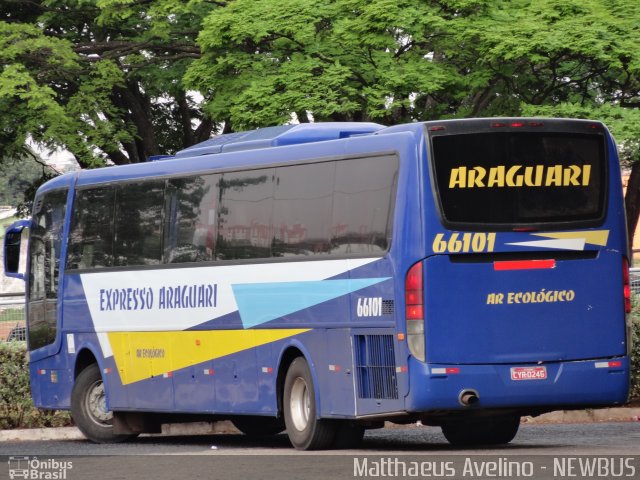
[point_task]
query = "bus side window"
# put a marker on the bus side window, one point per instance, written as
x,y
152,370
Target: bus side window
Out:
x,y
302,209
91,236
191,219
245,214
138,223
362,205
44,251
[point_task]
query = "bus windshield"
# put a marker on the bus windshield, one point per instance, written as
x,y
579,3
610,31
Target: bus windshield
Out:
x,y
518,179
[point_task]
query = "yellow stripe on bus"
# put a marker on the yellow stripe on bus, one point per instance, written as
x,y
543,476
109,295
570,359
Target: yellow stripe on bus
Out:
x,y
142,355
595,237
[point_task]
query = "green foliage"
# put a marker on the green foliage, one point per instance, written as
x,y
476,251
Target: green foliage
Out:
x,y
16,177
408,60
100,78
16,408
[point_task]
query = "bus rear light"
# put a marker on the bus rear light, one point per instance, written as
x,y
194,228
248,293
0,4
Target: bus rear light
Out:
x,y
437,128
415,312
414,309
535,124
498,125
613,364
413,297
517,124
626,286
445,371
499,266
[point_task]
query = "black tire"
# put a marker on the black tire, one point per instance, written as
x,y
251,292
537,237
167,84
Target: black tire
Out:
x,y
486,431
259,426
88,408
348,435
305,431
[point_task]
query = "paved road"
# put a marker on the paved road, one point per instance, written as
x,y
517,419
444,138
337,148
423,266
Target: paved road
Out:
x,y
237,456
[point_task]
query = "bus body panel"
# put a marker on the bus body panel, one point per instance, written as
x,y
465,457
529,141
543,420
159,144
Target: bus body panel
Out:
x,y
562,312
346,315
565,383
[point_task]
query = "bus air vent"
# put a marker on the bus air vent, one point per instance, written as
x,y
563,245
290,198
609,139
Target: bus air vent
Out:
x,y
376,367
387,307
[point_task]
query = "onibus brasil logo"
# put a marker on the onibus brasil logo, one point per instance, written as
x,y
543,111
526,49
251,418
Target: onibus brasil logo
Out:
x,y
32,468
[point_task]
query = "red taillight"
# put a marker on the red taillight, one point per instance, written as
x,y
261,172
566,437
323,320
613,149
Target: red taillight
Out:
x,y
626,287
414,293
517,124
414,311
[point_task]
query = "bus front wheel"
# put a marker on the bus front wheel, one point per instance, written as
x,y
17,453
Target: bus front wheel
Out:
x,y
485,431
305,430
89,408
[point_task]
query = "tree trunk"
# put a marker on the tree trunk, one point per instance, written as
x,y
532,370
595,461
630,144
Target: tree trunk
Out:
x,y
632,201
184,118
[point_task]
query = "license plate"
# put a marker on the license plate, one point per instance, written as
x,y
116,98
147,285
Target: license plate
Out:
x,y
528,373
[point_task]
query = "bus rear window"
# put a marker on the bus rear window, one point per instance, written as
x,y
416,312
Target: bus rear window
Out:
x,y
508,180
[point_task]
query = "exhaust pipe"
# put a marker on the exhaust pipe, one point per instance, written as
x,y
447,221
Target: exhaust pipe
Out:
x,y
468,397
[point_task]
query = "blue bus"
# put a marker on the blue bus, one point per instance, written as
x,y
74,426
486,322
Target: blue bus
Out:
x,y
321,279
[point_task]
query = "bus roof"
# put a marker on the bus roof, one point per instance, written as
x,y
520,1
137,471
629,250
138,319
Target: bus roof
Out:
x,y
279,136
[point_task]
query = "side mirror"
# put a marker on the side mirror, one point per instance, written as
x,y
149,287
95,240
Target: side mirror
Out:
x,y
12,247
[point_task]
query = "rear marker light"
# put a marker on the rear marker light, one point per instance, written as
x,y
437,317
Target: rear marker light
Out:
x,y
437,128
517,124
498,125
524,265
614,364
445,371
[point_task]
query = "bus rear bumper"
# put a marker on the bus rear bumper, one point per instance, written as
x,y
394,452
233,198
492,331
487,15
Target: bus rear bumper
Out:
x,y
563,384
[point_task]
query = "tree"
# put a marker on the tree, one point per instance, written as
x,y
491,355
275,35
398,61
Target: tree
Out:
x,y
101,78
392,61
17,175
109,79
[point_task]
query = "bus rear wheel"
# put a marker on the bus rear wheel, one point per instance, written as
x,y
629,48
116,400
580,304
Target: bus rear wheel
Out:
x,y
305,431
89,408
485,431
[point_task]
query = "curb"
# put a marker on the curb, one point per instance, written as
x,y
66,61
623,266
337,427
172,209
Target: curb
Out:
x,y
621,414
72,433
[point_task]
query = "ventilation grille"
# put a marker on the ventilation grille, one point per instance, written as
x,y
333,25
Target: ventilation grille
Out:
x,y
376,367
387,307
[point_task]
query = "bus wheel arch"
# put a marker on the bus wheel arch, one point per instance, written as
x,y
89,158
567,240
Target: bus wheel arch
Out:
x,y
88,403
84,359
